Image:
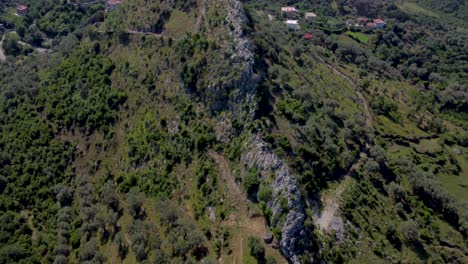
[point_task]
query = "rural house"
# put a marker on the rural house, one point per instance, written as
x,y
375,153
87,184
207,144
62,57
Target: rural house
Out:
x,y
310,16
362,21
292,24
371,25
21,9
379,23
351,23
308,36
288,11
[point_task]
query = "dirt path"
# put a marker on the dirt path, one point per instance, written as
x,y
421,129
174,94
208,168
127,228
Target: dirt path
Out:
x,y
351,82
40,50
135,32
22,43
331,206
329,217
2,55
238,201
241,223
201,15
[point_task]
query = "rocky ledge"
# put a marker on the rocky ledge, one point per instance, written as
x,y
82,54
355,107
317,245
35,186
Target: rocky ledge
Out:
x,y
236,91
259,155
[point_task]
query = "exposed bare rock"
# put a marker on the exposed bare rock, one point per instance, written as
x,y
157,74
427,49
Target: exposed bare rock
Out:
x,y
236,94
211,213
293,233
268,237
236,90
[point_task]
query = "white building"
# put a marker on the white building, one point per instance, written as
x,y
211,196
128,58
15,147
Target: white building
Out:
x,y
289,11
292,24
310,15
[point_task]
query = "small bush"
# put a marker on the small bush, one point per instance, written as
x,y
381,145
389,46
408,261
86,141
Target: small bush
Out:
x,y
256,249
409,230
251,182
264,193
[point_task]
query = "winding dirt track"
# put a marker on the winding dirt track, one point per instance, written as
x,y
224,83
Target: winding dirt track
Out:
x,y
332,205
351,82
331,208
240,222
2,55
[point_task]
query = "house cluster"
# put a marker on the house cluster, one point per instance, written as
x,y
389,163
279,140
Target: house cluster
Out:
x,y
364,22
291,13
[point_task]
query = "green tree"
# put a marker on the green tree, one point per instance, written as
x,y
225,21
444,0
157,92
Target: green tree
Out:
x,y
264,193
135,202
256,248
409,230
11,46
251,181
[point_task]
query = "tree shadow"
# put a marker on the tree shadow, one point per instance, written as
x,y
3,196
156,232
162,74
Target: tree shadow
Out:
x,y
418,248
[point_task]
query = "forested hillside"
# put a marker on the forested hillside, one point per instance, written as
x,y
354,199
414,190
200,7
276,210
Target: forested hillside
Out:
x,y
226,131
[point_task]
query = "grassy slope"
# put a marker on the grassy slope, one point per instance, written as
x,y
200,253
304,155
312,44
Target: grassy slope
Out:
x,y
164,103
375,216
370,216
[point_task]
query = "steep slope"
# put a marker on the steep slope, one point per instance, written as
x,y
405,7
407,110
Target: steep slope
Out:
x,y
206,131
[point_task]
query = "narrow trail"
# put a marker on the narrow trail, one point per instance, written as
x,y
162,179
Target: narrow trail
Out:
x,y
135,32
331,206
351,82
329,217
201,15
2,54
235,194
145,33
40,50
22,43
240,221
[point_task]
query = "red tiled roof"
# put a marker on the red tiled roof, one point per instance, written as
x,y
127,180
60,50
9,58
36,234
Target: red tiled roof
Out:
x,y
371,24
21,8
308,36
379,21
288,9
360,19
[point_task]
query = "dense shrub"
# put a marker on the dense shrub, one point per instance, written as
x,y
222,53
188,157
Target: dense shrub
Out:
x,y
78,92
410,230
256,249
251,182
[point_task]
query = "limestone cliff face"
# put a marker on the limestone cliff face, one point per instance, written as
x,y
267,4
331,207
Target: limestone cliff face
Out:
x,y
259,155
235,91
235,97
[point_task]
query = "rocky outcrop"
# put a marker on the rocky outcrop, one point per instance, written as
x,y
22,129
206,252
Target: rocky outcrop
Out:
x,y
235,90
259,155
235,99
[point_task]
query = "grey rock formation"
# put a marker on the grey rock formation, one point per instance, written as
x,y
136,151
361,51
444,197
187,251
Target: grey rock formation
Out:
x,y
259,155
237,96
235,92
268,237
